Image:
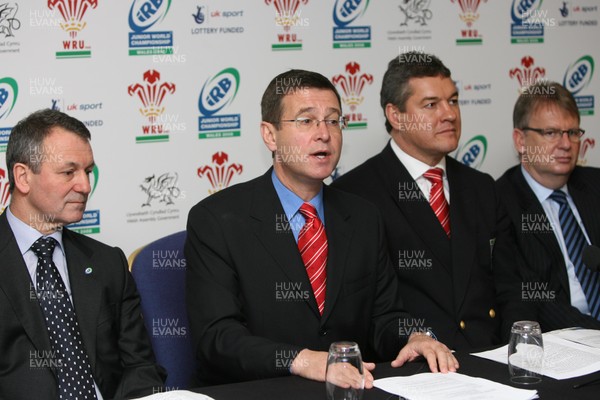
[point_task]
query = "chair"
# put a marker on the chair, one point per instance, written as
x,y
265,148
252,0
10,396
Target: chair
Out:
x,y
159,272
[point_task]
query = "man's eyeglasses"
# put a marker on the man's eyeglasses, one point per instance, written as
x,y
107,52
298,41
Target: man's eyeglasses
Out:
x,y
306,124
553,135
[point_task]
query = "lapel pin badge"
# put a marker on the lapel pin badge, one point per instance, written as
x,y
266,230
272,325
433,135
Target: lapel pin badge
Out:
x,y
88,270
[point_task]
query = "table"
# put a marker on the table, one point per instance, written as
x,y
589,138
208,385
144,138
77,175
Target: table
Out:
x,y
295,388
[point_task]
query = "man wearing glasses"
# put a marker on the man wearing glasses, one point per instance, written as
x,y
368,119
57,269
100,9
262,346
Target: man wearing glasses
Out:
x,y
282,266
553,205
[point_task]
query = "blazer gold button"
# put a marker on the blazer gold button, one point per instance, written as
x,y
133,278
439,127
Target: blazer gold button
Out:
x,y
492,313
462,325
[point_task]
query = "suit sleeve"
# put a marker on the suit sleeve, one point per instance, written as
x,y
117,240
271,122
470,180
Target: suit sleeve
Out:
x,y
389,315
508,265
221,337
140,375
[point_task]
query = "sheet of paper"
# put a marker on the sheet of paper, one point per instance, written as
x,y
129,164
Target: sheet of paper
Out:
x,y
430,386
588,337
177,395
563,359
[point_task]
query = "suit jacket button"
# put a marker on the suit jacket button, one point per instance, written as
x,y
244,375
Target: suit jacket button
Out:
x,y
323,332
462,325
492,313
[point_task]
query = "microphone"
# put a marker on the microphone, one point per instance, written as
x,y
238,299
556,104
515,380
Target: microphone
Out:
x,y
591,257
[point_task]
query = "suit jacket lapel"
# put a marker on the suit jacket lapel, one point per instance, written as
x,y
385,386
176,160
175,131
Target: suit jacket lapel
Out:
x,y
86,291
463,227
586,199
18,288
339,233
530,205
271,230
417,212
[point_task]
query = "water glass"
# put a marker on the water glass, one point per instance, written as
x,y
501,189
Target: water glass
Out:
x,y
345,379
525,353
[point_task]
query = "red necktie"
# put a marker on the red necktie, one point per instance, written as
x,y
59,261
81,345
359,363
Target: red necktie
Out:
x,y
437,200
312,243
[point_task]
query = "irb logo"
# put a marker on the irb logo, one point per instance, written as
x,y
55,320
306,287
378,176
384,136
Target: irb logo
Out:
x,y
579,74
143,14
219,91
472,153
346,11
9,90
522,10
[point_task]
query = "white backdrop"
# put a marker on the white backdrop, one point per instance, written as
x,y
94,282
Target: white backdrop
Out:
x,y
143,75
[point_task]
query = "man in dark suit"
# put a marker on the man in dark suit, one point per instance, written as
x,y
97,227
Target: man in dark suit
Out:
x,y
447,233
544,193
67,302
269,288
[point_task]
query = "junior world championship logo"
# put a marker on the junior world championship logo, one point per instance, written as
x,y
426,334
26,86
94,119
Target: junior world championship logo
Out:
x,y
218,93
473,152
577,77
9,91
345,34
526,26
73,13
143,16
352,84
151,94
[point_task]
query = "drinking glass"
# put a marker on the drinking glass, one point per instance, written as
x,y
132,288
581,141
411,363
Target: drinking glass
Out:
x,y
345,379
525,353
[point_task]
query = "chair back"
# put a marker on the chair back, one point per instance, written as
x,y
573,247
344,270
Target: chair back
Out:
x,y
159,272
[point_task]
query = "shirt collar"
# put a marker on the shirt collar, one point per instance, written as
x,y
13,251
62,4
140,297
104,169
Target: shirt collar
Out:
x,y
26,235
541,192
416,168
291,202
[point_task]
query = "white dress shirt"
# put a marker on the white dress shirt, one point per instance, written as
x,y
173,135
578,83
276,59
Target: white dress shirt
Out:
x,y
417,168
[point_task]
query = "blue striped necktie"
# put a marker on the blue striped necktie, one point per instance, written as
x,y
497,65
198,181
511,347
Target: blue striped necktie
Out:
x,y
575,241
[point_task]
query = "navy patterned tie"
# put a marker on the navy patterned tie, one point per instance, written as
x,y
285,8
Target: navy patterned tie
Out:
x,y
73,369
575,241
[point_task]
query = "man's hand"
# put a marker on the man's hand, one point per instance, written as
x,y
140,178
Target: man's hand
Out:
x,y
313,365
436,354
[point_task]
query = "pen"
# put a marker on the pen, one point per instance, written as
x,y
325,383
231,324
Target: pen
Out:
x,y
597,380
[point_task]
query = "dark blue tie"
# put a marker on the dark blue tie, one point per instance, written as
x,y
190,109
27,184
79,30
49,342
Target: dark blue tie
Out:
x,y
69,357
575,241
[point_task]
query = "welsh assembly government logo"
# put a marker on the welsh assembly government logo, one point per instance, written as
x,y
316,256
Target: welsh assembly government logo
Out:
x,y
72,13
527,74
144,15
217,93
152,93
345,34
9,23
468,14
288,15
577,77
220,173
526,26
352,84
9,91
90,222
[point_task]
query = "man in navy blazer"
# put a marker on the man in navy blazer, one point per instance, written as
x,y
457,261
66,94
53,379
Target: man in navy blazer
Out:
x,y
253,311
457,270
547,137
49,160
